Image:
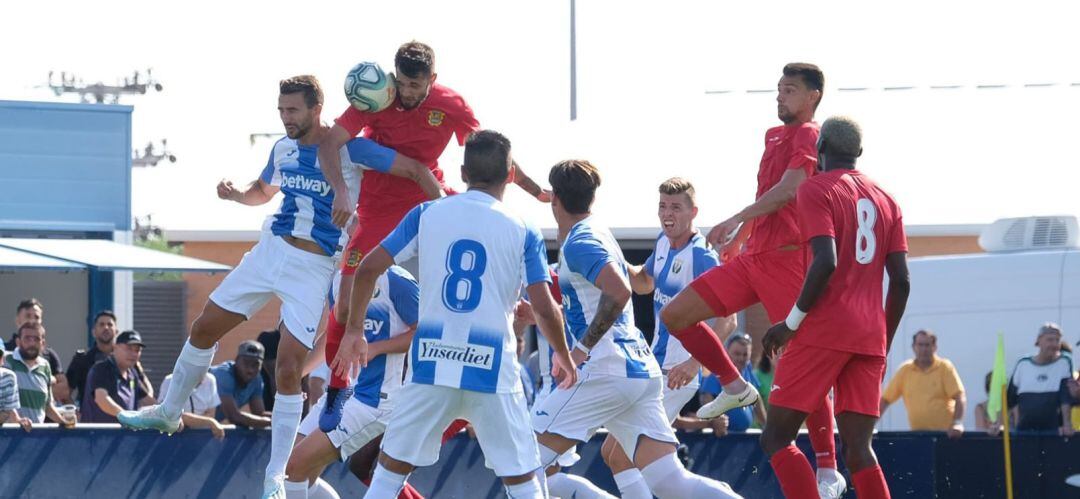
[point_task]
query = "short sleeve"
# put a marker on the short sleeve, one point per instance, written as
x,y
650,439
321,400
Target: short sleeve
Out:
x,y
354,120
100,377
405,295
465,122
370,154
815,214
9,389
895,388
256,388
650,262
226,385
585,255
804,149
953,385
536,264
268,174
401,243
704,260
898,238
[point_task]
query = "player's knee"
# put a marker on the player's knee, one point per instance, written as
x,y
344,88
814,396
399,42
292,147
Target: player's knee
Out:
x,y
294,469
771,443
614,456
859,456
673,321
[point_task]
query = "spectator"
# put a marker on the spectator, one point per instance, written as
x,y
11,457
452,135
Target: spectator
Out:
x,y
764,373
116,384
982,415
1039,386
104,332
9,397
240,385
31,310
201,406
269,341
932,391
33,374
739,419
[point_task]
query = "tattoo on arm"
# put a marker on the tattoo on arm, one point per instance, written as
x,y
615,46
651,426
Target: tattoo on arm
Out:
x,y
606,312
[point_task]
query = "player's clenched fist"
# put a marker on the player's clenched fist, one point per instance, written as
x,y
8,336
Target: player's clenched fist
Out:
x,y
226,190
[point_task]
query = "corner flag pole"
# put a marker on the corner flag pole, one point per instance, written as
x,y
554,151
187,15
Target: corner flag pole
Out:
x,y
1008,453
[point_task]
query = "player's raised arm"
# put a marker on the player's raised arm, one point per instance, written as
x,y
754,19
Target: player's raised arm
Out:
x,y
330,164
404,166
353,351
257,192
529,185
897,295
775,198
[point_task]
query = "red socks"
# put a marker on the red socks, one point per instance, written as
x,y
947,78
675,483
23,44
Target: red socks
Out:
x,y
820,426
870,483
795,475
703,344
334,332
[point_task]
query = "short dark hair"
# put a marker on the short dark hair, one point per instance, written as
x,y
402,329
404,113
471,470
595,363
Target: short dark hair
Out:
x,y
105,313
679,185
414,59
929,334
810,74
35,325
28,303
308,84
487,158
574,182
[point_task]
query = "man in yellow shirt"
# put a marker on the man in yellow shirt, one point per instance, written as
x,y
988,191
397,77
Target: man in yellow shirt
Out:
x,y
932,390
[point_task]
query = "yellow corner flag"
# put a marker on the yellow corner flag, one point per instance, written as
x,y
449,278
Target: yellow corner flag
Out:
x,y
998,381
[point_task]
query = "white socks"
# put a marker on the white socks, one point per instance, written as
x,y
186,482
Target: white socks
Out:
x,y
632,485
667,478
190,368
528,490
566,485
296,490
385,484
320,490
286,418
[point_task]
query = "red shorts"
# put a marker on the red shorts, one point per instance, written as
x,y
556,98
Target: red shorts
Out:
x,y
773,278
369,232
805,374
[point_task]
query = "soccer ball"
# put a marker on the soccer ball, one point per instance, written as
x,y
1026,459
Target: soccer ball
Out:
x,y
368,88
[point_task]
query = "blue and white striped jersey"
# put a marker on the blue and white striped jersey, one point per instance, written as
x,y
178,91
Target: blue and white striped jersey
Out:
x,y
672,270
622,351
391,312
474,256
306,209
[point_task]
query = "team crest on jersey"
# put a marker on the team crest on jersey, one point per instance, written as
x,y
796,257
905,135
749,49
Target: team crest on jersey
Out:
x,y
676,267
354,259
435,118
376,294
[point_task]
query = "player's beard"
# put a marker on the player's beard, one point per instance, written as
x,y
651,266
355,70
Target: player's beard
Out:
x,y
784,114
300,130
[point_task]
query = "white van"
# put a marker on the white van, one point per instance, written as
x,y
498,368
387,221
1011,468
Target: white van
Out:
x,y
1030,275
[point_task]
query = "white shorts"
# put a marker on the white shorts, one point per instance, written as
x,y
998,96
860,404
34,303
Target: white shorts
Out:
x,y
675,400
568,458
360,424
274,267
627,407
501,422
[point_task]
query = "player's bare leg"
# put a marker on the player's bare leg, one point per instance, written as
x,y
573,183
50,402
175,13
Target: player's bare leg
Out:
x,y
792,469
684,317
627,477
666,476
212,324
362,466
856,432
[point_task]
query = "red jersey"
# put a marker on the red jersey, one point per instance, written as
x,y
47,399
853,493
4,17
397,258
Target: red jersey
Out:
x,y
421,133
787,147
867,225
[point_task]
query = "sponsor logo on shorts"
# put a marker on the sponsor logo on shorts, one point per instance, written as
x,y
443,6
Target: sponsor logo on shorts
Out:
x,y
542,413
343,429
435,118
466,355
354,258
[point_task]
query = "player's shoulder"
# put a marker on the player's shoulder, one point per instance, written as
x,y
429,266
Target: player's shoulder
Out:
x,y
443,96
905,366
397,275
700,246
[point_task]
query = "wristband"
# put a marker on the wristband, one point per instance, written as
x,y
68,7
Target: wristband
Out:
x,y
581,346
795,318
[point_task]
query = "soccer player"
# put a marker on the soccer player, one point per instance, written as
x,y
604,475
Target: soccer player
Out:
x,y
388,328
837,334
771,267
474,255
679,256
620,383
420,123
294,260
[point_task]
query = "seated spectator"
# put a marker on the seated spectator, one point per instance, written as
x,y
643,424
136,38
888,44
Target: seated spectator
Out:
x,y
240,385
932,391
202,405
104,332
116,384
1039,386
9,397
34,376
269,341
31,310
739,419
982,414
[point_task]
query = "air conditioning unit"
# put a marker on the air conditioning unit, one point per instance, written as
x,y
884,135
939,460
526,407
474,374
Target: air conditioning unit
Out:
x,y
1031,233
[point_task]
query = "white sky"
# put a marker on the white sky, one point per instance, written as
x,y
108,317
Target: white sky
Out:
x,y
950,156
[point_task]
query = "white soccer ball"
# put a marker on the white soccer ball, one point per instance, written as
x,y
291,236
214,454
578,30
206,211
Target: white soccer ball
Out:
x,y
369,88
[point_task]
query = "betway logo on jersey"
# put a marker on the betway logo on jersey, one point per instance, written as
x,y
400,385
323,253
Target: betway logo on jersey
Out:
x,y
320,187
661,298
467,355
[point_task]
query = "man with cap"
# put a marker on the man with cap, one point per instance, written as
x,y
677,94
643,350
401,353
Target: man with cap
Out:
x,y
1039,386
239,385
115,384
